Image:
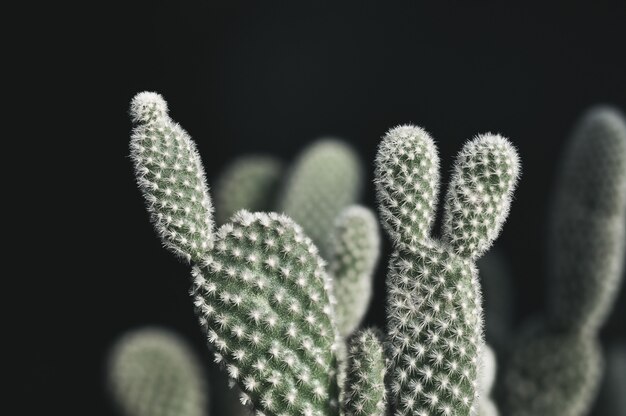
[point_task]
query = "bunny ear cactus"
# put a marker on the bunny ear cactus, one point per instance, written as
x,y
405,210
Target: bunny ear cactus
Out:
x,y
556,370
251,183
486,406
153,372
434,310
354,251
324,180
365,376
259,285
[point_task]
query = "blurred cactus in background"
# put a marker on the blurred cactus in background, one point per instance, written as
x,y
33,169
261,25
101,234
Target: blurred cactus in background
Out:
x,y
153,372
486,406
556,366
266,301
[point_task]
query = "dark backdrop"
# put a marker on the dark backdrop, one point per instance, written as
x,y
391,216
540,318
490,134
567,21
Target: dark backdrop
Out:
x,y
270,77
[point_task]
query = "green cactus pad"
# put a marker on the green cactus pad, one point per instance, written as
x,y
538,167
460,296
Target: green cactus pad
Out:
x,y
263,299
365,376
171,177
153,372
249,183
324,180
588,235
353,254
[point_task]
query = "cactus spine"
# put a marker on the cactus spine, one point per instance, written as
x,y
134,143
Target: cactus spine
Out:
x,y
365,376
555,370
259,285
153,372
434,311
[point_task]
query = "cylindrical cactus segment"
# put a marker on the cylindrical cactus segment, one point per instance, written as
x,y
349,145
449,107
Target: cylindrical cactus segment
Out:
x,y
153,372
353,256
250,183
263,298
588,234
326,178
479,194
365,376
407,183
171,177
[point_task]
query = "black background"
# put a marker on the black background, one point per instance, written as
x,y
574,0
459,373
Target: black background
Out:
x,y
246,77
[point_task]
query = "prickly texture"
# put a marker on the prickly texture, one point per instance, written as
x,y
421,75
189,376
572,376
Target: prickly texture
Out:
x,y
353,255
553,374
365,376
263,299
479,195
589,223
486,406
324,180
434,311
250,183
407,184
498,300
153,372
170,175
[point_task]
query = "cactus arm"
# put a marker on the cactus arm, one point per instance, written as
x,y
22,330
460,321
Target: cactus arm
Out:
x,y
171,178
250,183
354,252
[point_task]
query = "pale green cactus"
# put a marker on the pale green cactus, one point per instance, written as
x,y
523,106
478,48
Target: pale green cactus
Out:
x,y
324,180
153,372
556,370
434,311
353,256
612,400
251,183
486,407
365,376
171,177
259,285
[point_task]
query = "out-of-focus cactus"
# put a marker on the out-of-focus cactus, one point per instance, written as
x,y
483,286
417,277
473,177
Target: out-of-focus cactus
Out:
x,y
251,183
153,372
556,370
612,400
353,256
435,315
486,406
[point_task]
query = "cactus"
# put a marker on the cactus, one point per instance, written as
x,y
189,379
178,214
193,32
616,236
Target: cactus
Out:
x,y
434,310
153,372
171,177
324,180
365,376
555,370
250,183
612,400
354,251
259,285
486,407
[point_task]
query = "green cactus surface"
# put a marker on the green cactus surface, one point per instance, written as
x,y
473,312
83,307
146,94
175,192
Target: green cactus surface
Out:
x,y
251,183
553,374
365,376
588,232
353,255
557,371
153,372
171,177
259,285
434,308
324,180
